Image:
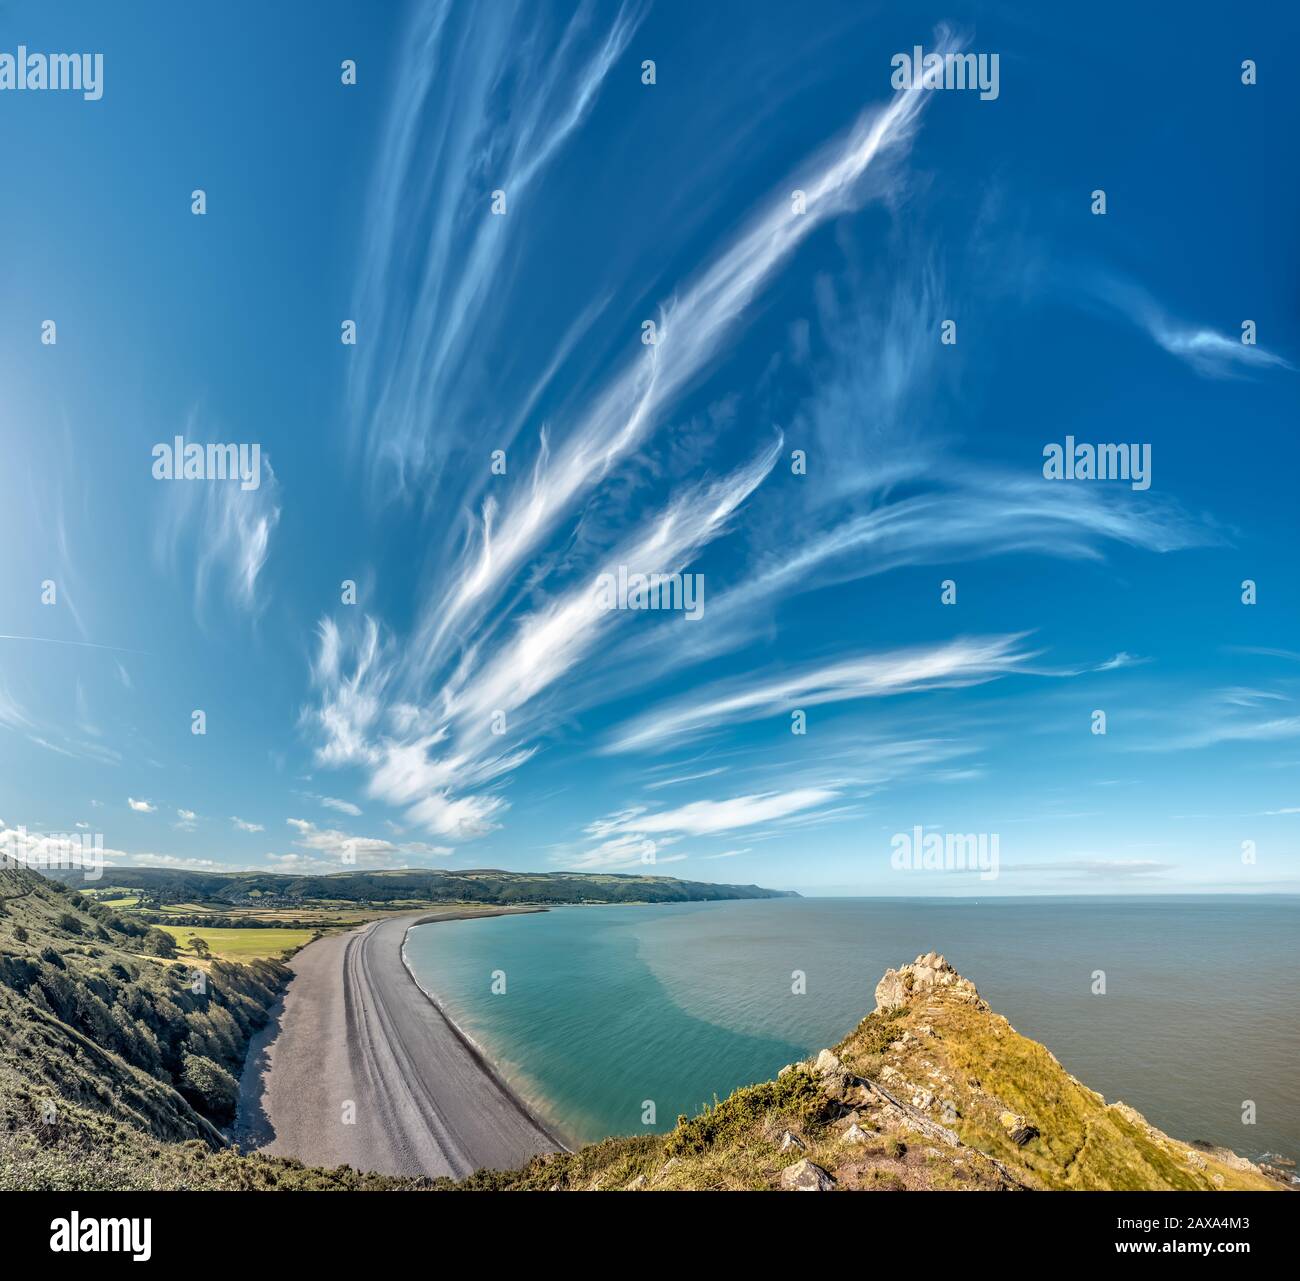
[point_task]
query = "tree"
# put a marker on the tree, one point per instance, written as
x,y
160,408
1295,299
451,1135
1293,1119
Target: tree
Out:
x,y
199,946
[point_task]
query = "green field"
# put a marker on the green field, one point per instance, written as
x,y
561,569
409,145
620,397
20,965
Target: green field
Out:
x,y
241,945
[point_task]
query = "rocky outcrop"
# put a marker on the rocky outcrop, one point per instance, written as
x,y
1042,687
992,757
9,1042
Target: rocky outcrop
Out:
x,y
927,975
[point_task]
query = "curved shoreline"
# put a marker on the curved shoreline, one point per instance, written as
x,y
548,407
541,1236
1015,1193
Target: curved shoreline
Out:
x,y
483,1058
361,1066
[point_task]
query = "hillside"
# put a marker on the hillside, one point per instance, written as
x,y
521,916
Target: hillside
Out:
x,y
415,886
117,1066
97,1023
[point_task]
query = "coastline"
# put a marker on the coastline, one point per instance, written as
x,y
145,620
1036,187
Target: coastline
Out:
x,y
478,1051
359,1065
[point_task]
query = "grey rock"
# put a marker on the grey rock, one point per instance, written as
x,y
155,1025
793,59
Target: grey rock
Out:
x,y
827,1062
804,1176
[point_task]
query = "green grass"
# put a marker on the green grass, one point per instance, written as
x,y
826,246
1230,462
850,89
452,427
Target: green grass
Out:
x,y
241,945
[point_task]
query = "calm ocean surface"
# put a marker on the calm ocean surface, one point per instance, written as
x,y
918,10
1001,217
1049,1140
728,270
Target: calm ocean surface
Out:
x,y
608,1006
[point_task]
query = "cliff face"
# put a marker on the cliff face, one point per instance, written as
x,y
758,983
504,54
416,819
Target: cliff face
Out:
x,y
933,1090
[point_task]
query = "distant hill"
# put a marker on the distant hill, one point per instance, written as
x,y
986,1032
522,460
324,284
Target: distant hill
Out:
x,y
479,885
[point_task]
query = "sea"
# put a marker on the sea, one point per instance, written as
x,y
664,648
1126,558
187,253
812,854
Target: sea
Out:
x,y
616,1020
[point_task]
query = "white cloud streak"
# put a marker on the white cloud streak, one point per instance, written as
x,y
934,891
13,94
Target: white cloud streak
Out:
x,y
692,329
957,663
1210,353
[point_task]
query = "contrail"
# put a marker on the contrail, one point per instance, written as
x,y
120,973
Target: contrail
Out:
x,y
50,640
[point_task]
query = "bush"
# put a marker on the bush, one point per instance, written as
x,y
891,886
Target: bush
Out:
x,y
159,943
68,923
877,1032
796,1094
209,1087
20,934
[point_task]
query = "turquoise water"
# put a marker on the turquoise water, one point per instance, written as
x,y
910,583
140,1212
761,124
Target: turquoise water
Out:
x,y
608,1007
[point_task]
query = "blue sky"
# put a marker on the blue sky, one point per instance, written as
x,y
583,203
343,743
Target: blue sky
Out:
x,y
365,734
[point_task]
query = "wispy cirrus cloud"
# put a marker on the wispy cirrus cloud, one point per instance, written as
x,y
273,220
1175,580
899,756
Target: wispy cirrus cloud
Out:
x,y
957,663
638,835
551,642
222,528
994,514
457,72
692,329
1228,731
17,719
470,737
659,784
1210,352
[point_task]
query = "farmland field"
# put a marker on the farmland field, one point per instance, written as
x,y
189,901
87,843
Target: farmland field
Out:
x,y
240,945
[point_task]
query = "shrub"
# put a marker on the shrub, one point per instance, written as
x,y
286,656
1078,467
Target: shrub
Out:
x,y
159,943
876,1032
209,1087
796,1094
